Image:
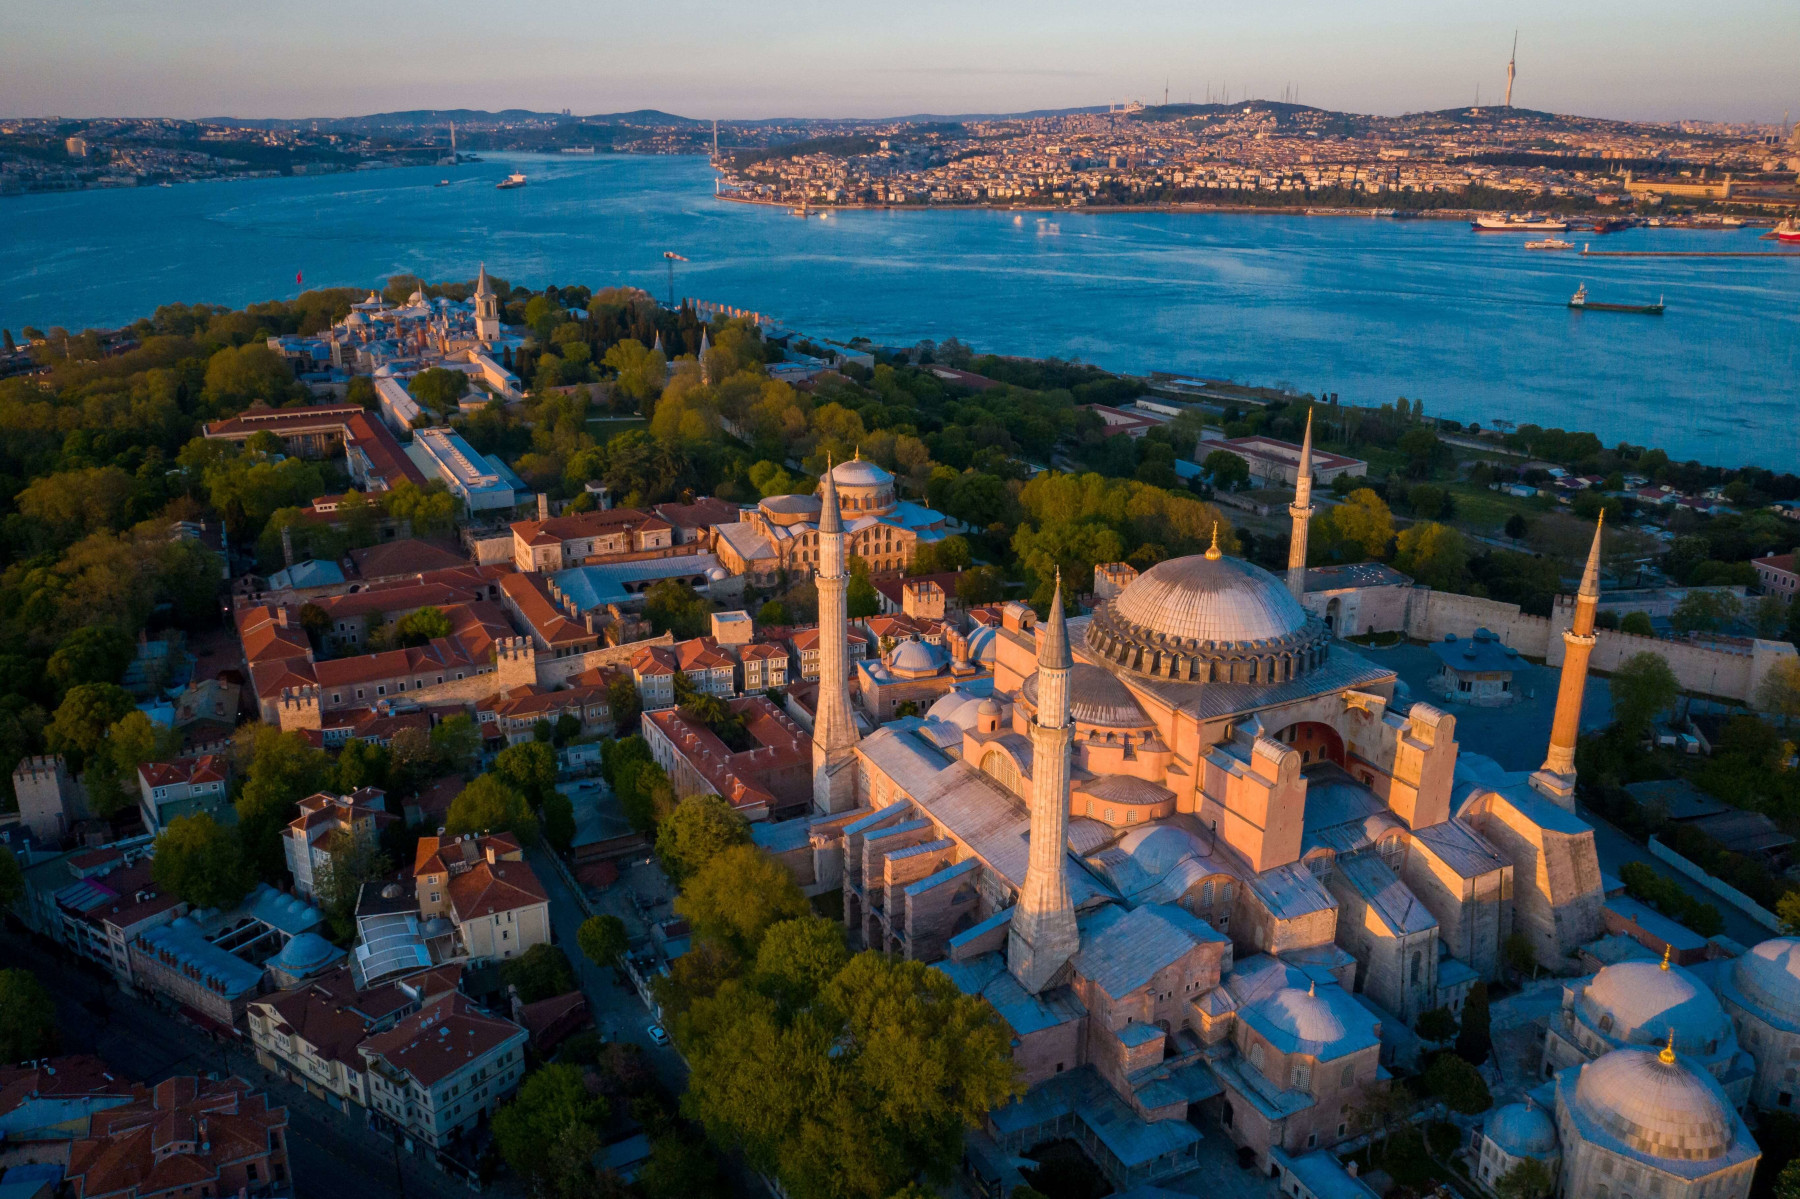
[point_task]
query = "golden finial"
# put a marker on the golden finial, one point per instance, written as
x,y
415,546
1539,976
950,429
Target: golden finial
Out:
x,y
859,451
1668,1053
1215,553
1666,951
1310,984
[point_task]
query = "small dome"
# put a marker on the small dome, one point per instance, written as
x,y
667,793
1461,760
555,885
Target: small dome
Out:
x,y
988,707
304,954
1521,1131
982,645
718,574
857,473
1096,697
1665,1108
914,658
956,707
1646,1001
1303,1015
1769,976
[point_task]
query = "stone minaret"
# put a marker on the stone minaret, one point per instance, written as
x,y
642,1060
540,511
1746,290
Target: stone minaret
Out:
x,y
1043,935
1556,778
1301,510
834,734
487,310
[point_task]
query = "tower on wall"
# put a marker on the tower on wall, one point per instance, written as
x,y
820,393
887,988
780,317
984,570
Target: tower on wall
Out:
x,y
1556,777
1301,510
487,310
834,735
1043,936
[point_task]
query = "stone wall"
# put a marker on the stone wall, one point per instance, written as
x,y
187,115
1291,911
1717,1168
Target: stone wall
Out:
x,y
1433,614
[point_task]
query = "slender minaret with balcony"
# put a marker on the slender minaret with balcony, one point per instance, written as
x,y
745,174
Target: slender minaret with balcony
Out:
x,y
1043,936
1301,510
1556,777
834,733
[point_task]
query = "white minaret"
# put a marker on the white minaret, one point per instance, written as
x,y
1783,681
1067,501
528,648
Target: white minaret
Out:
x,y
834,733
1043,936
1301,510
487,310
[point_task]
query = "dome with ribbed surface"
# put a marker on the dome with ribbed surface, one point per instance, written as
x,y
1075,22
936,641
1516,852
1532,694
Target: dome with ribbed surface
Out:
x,y
1646,1001
1663,1108
1519,1130
1769,977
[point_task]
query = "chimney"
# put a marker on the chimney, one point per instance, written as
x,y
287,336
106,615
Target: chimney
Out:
x,y
281,617
1350,1163
287,544
543,506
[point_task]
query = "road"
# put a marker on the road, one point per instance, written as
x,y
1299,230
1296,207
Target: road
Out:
x,y
331,1154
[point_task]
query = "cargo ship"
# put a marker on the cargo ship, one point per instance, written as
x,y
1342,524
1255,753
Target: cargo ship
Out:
x,y
1579,300
1550,243
1516,223
516,179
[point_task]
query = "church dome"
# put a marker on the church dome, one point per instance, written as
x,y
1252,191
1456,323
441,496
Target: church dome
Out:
x,y
1096,697
1769,976
857,473
1209,618
1519,1130
1646,1002
1657,1104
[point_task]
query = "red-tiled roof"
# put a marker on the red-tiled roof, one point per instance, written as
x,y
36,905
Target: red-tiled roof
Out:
x,y
489,887
741,778
438,854
586,524
207,768
531,595
408,556
441,1039
157,1145
332,1016
700,514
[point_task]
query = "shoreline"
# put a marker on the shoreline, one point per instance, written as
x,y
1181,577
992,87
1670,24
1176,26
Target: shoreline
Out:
x,y
1446,214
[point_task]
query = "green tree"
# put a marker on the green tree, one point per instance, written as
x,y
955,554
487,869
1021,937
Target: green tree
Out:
x,y
1779,692
530,769
602,939
200,860
1422,449
1516,526
1788,909
626,705
798,957
861,599
362,764
91,654
541,972
671,606
1705,611
239,376
1532,1179
1638,623
284,769
27,1017
1435,555
338,883
455,742
421,627
430,510
1360,527
737,895
698,830
552,1104
83,719
1642,687
488,805
772,613
1457,1083
680,1168
558,819
1227,471
1437,1024
642,372
1474,1042
439,390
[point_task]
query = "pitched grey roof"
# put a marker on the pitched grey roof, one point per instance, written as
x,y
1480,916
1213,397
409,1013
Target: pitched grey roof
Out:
x,y
1460,848
1122,949
1386,895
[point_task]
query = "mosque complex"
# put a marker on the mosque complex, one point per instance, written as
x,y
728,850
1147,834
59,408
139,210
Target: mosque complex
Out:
x,y
1197,854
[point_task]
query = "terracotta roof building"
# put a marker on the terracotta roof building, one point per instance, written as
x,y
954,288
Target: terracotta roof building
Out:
x,y
170,790
774,775
483,885
585,538
309,1035
438,1072
191,1137
309,837
375,459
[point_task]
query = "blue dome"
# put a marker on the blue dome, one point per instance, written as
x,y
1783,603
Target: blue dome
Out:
x,y
305,954
1521,1131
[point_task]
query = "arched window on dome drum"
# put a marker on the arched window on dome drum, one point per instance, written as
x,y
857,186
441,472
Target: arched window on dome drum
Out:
x,y
999,766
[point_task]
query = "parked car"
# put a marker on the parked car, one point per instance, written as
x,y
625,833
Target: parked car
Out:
x,y
658,1035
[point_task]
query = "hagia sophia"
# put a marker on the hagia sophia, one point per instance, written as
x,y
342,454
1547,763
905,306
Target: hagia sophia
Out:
x,y
1197,853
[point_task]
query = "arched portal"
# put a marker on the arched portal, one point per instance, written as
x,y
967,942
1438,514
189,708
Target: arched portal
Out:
x,y
1334,610
1314,742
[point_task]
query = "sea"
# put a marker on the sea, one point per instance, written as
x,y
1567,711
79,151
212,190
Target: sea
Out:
x,y
1474,325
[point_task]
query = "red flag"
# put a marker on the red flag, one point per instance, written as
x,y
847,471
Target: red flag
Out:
x,y
297,278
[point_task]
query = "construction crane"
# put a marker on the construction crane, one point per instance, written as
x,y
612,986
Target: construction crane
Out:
x,y
672,258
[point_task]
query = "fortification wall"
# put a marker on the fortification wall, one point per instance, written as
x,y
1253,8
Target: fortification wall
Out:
x,y
1432,615
552,672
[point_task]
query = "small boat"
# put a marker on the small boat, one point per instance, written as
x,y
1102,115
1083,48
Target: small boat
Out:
x,y
1579,300
1550,243
1788,230
516,179
442,183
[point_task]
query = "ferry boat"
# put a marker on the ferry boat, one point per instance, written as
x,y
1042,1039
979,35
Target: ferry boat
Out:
x,y
1788,230
516,179
442,183
1550,243
1580,301
1517,223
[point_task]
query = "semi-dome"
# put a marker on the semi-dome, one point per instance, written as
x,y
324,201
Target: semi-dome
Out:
x,y
1521,1130
1642,1002
1657,1104
1209,618
1769,977
1096,697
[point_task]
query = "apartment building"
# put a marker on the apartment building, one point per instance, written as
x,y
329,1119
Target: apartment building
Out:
x,y
309,1035
486,889
585,538
170,790
319,832
439,1071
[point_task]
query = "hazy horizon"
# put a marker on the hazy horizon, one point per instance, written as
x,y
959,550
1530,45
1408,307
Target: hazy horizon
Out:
x,y
1656,61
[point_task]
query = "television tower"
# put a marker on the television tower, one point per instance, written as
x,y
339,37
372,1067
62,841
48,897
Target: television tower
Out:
x,y
1512,66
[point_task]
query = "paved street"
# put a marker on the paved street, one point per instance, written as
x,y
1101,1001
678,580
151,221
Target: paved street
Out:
x,y
332,1156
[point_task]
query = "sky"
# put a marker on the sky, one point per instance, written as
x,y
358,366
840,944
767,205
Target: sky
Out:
x,y
1732,60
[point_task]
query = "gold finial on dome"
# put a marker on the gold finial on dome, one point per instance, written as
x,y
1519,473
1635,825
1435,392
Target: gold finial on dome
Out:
x,y
859,451
1215,553
1667,1056
1310,984
1666,950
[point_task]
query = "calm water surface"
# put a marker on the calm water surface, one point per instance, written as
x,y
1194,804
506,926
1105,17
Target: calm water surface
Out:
x,y
1476,326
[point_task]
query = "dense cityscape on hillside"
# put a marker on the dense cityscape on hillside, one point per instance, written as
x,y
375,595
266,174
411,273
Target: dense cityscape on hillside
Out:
x,y
1259,153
